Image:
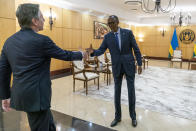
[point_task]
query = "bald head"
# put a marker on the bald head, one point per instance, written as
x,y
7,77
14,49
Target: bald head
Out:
x,y
113,17
113,23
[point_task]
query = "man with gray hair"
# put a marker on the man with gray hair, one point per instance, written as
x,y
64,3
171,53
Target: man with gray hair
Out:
x,y
27,55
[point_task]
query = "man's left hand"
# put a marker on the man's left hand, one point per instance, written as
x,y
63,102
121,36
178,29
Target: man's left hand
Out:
x,y
139,70
6,105
85,55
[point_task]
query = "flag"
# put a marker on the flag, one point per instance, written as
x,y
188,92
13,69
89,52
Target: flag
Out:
x,y
194,51
174,44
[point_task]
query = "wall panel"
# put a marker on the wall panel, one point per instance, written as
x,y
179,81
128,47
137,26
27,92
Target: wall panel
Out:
x,y
76,20
87,38
7,28
153,38
67,18
88,22
76,39
67,38
7,8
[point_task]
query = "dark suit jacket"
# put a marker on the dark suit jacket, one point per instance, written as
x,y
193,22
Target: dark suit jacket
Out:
x,y
27,55
123,57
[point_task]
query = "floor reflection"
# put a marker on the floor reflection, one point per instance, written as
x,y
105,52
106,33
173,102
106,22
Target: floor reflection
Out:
x,y
17,121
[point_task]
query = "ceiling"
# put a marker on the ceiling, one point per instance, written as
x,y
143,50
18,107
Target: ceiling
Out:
x,y
125,12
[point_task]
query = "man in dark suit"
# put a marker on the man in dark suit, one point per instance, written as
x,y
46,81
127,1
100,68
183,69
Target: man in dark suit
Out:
x,y
27,55
120,43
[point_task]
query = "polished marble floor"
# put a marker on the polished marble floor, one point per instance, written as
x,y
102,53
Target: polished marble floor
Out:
x,y
165,90
101,112
17,121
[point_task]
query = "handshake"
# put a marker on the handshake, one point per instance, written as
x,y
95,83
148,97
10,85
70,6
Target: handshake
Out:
x,y
87,52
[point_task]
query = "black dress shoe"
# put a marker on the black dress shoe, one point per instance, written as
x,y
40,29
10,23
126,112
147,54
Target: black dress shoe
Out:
x,y
115,122
134,123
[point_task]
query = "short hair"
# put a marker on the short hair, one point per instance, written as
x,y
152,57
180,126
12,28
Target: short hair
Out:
x,y
115,17
25,13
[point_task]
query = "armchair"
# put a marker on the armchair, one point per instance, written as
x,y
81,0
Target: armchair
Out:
x,y
177,57
79,73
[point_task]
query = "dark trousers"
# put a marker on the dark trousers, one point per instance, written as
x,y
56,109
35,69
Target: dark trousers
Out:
x,y
41,121
1,106
131,94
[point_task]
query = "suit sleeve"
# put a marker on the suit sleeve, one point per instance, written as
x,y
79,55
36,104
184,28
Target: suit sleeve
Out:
x,y
50,49
101,49
5,76
136,49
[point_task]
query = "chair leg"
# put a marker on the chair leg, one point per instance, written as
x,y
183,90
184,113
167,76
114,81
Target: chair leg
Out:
x,y
98,82
84,84
189,65
86,87
147,64
73,85
109,78
94,81
181,64
144,65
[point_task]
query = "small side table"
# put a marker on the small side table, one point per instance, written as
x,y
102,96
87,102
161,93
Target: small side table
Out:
x,y
193,60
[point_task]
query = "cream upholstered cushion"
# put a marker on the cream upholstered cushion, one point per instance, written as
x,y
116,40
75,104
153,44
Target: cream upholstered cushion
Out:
x,y
93,66
79,64
109,56
77,70
110,68
89,75
102,59
176,59
177,54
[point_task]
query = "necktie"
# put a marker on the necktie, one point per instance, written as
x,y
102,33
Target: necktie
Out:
x,y
117,40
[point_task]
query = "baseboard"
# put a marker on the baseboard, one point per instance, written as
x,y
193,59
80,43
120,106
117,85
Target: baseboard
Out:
x,y
163,58
67,70
61,71
157,58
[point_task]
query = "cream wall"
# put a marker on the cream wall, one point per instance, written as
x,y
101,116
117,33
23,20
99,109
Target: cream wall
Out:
x,y
7,20
154,44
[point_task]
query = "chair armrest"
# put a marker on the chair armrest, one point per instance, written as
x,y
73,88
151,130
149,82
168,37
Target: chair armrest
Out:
x,y
90,70
77,67
93,66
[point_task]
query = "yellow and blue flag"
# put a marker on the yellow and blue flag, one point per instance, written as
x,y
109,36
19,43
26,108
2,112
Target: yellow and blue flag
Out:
x,y
174,44
194,51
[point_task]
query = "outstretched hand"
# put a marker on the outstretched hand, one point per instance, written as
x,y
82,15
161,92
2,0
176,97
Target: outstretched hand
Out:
x,y
6,105
84,53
